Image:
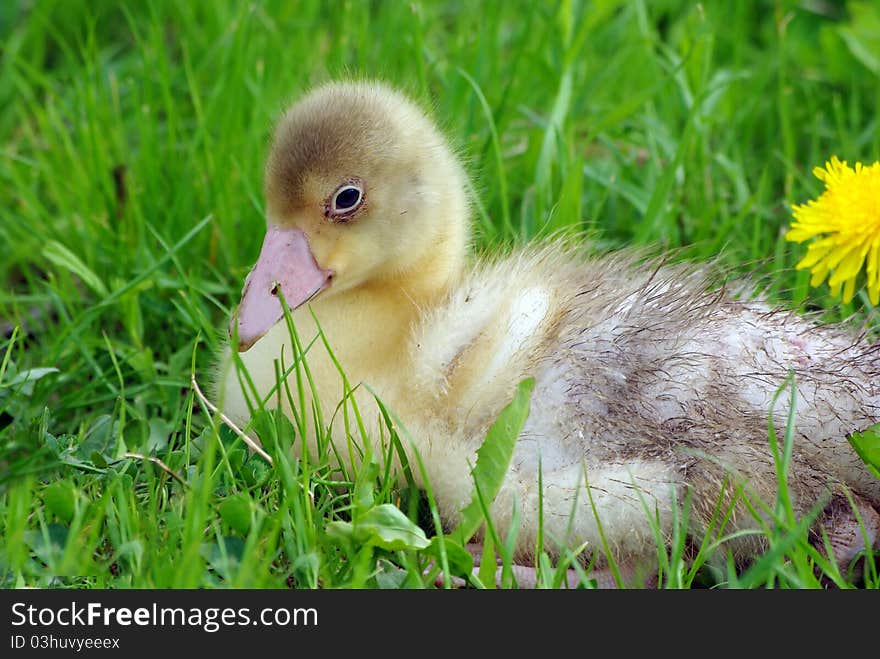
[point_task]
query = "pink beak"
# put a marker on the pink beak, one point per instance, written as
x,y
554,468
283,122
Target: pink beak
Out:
x,y
286,263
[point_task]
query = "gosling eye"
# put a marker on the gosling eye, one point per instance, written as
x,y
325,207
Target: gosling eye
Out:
x,y
343,203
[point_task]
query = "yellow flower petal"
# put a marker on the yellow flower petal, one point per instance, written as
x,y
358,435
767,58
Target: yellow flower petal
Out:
x,y
873,272
815,253
849,289
872,268
838,255
835,289
849,266
844,226
819,274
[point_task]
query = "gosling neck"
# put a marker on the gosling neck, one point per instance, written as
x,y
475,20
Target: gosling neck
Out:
x,y
370,324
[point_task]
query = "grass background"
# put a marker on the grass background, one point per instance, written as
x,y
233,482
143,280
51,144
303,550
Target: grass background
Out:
x,y
133,136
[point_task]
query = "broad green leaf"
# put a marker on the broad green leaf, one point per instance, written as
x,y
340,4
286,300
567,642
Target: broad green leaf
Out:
x,y
98,460
867,444
60,499
488,566
388,575
493,459
256,471
24,381
383,526
225,555
387,527
274,428
64,258
363,487
237,458
159,432
98,438
136,434
459,559
340,530
48,547
31,375
236,511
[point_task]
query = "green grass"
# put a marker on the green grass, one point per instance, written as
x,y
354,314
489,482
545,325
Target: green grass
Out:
x,y
133,138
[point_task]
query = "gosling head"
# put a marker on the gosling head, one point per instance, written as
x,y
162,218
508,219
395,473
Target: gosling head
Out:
x,y
360,187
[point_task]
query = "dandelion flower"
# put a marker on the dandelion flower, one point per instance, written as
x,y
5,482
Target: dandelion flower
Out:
x,y
845,220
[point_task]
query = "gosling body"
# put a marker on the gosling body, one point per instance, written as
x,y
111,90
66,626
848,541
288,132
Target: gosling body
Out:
x,y
651,385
